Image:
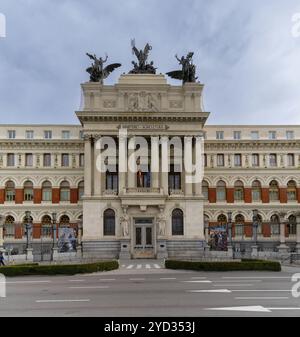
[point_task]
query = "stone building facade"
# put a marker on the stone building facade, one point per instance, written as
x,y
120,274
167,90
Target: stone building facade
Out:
x,y
151,211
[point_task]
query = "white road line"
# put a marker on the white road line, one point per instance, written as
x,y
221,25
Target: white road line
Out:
x,y
167,278
61,301
233,285
26,282
148,266
139,266
107,279
237,281
256,277
261,298
76,280
123,266
91,287
137,279
200,278
130,266
157,266
209,291
263,290
197,281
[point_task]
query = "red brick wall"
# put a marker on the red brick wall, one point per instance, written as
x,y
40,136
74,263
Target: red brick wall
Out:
x,y
18,231
37,195
298,195
55,195
265,195
36,231
248,195
2,195
230,195
212,195
74,195
266,230
19,196
283,195
248,230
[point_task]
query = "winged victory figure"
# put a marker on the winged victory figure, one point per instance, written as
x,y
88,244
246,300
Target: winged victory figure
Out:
x,y
97,71
188,71
142,67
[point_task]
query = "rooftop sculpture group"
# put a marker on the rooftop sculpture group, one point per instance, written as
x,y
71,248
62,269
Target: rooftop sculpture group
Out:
x,y
98,73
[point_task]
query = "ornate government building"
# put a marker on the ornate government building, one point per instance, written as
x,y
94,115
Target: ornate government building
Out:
x,y
250,189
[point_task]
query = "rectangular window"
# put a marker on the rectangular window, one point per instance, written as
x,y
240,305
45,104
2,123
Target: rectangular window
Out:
x,y
29,134
205,160
272,135
65,134
174,178
273,160
220,135
47,160
239,229
29,159
238,160
255,160
48,134
112,181
291,160
65,160
81,160
81,134
237,135
220,160
10,159
11,134
290,135
254,135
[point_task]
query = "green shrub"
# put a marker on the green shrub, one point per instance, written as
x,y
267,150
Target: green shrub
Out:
x,y
257,265
68,269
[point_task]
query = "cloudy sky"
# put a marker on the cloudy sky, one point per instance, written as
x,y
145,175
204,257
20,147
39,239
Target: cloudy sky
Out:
x,y
245,54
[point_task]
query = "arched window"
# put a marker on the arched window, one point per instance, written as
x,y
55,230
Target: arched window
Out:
x,y
205,189
256,191
80,190
274,191
238,191
177,222
9,227
259,224
109,222
222,220
291,191
292,225
28,191
47,191
221,191
239,225
46,226
64,221
275,225
64,191
10,192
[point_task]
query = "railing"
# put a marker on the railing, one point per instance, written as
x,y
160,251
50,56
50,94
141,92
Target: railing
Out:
x,y
143,190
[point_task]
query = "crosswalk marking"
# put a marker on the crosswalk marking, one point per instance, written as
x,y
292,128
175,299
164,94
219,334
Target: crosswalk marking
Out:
x,y
130,266
139,266
142,266
148,266
157,266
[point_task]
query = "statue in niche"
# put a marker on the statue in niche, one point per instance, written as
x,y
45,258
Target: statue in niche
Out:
x,y
125,223
161,223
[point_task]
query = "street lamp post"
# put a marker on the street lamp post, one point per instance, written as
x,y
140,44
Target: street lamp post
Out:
x,y
79,239
254,238
54,236
1,233
229,233
206,234
28,226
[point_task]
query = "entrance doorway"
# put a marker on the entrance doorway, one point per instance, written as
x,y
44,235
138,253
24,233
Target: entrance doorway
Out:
x,y
143,239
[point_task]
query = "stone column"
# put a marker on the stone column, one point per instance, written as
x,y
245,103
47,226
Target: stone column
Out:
x,y
122,160
283,248
188,162
199,158
87,165
165,164
131,158
298,233
155,161
97,170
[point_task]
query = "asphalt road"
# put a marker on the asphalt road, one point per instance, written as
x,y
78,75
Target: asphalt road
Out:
x,y
145,289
